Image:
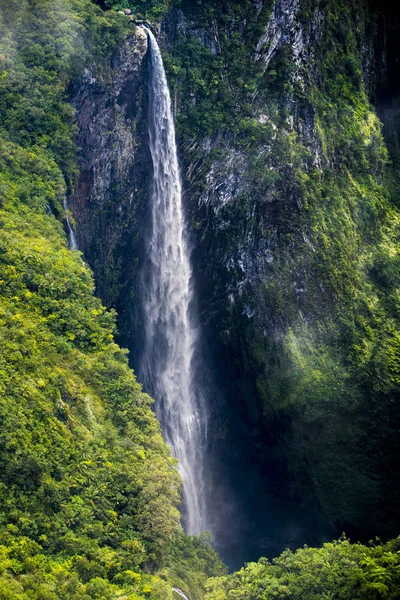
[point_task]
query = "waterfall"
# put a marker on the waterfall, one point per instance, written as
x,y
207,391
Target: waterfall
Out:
x,y
71,234
171,338
180,593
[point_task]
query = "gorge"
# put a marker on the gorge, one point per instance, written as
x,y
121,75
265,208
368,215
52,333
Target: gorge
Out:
x,y
212,185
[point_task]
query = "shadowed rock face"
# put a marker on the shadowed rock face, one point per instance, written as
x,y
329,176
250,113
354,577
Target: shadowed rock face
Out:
x,y
239,217
110,198
385,92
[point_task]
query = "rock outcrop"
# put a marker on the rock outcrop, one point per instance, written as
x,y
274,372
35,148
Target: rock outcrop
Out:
x,y
110,197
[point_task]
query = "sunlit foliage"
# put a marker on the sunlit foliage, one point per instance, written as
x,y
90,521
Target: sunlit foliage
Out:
x,y
337,570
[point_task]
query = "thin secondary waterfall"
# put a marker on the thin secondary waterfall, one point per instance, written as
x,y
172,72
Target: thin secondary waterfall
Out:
x,y
71,235
171,339
180,593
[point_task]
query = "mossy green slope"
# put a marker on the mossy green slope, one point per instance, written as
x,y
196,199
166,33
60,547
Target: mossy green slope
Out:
x,y
89,492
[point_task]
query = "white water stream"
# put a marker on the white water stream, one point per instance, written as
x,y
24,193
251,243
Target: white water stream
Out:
x,y
71,234
180,593
171,339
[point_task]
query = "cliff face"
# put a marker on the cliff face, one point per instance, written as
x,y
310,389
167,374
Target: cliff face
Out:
x,y
114,168
386,93
293,224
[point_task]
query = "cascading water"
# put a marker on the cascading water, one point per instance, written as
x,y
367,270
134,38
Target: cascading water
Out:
x,y
71,235
171,339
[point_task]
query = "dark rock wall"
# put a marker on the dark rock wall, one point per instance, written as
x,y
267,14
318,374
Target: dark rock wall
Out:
x,y
246,221
110,198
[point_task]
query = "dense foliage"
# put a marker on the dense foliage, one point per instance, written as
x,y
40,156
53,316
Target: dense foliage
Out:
x,y
89,491
215,84
337,570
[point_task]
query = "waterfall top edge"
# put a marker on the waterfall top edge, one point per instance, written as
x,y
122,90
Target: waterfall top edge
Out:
x,y
147,26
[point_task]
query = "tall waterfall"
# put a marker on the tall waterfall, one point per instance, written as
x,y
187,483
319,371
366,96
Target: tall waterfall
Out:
x,y
171,338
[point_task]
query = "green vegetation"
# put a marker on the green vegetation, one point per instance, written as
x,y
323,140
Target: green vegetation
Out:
x,y
151,10
89,491
338,570
214,87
